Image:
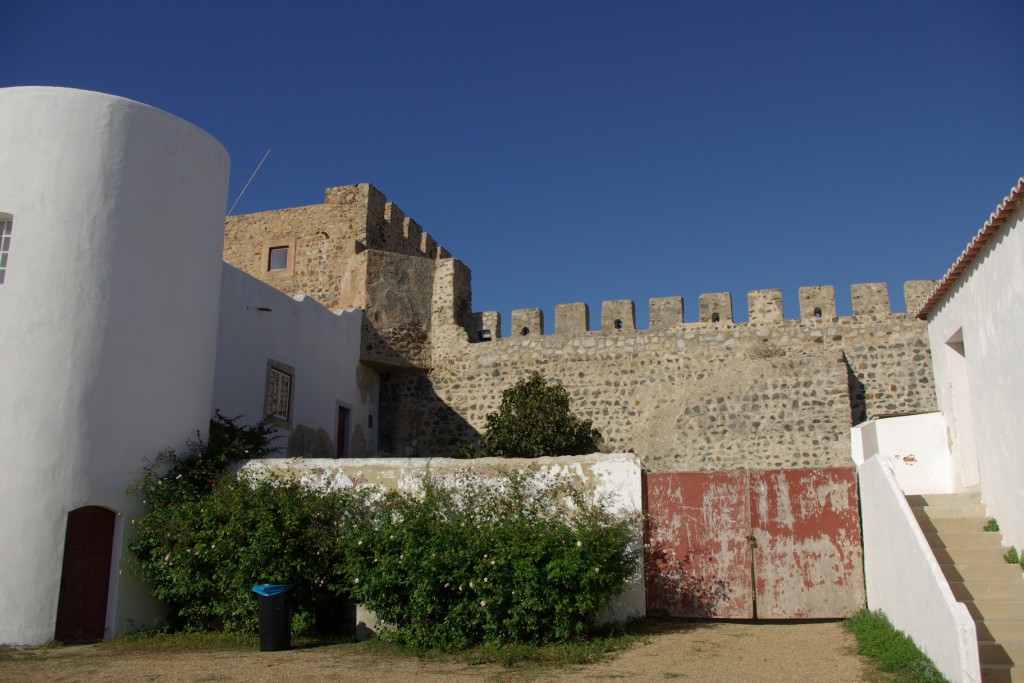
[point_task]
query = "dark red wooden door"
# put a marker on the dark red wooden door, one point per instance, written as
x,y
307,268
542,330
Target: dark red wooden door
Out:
x,y
780,544
82,604
700,557
807,555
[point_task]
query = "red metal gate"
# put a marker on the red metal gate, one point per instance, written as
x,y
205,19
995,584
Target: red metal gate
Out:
x,y
780,544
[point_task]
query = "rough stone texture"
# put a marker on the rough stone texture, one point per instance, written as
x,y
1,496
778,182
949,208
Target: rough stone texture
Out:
x,y
702,396
870,298
765,306
572,318
618,316
666,311
716,307
356,250
486,326
527,322
710,395
915,292
818,303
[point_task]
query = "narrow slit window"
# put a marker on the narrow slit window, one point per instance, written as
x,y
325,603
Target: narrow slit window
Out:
x,y
5,244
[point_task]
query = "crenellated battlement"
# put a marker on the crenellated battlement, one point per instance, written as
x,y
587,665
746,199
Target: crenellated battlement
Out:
x,y
387,228
764,307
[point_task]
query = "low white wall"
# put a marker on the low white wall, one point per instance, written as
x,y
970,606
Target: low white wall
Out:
x,y
614,478
904,580
259,323
915,446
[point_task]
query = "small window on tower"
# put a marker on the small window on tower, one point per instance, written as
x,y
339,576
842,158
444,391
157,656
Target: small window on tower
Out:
x,y
278,259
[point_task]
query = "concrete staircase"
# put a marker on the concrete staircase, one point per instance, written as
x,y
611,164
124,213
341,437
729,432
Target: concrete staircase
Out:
x,y
992,590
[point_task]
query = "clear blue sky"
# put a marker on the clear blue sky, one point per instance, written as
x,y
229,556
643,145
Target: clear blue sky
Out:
x,y
583,151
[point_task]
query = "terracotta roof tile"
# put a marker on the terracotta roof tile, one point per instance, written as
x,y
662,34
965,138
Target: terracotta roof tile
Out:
x,y
992,225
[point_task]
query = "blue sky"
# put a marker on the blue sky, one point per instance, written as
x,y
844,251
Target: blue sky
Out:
x,y
584,151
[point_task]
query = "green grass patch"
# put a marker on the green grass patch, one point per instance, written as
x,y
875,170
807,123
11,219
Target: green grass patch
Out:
x,y
894,651
161,640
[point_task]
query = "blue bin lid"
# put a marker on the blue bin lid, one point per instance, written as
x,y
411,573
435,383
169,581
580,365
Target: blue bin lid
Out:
x,y
272,589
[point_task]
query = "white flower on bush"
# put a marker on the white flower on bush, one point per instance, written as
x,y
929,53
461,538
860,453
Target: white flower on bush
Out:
x,y
579,544
356,580
485,579
470,584
483,603
597,570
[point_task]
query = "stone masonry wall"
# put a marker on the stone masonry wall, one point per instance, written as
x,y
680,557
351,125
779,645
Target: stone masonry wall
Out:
x,y
326,243
356,250
707,395
686,396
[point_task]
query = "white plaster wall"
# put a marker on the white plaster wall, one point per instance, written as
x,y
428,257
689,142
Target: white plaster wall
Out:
x,y
108,322
321,346
988,304
615,478
904,580
915,445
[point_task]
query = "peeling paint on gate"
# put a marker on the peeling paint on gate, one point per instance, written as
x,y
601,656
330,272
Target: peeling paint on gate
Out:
x,y
805,554
699,561
808,558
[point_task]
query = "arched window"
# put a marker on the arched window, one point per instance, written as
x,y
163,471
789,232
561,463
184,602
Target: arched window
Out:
x,y
6,221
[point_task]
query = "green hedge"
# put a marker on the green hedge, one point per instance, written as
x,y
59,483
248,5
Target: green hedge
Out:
x,y
516,558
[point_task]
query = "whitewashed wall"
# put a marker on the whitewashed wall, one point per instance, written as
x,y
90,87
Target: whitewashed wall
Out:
x,y
108,322
614,478
988,305
904,580
258,323
916,446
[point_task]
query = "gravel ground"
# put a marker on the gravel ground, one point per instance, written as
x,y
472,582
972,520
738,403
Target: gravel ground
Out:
x,y
674,650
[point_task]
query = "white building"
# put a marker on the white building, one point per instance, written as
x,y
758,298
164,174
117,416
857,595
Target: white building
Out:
x,y
122,329
975,444
976,329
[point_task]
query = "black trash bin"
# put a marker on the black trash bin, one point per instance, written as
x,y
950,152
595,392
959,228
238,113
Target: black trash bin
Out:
x,y
275,616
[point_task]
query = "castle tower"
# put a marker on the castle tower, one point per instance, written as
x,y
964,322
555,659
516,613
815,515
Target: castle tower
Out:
x,y
112,215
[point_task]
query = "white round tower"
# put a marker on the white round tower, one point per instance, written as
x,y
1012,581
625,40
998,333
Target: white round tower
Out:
x,y
111,234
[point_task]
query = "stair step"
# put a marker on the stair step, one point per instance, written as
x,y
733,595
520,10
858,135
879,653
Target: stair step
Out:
x,y
1001,653
982,572
974,511
964,539
953,523
1001,673
1003,631
969,555
987,590
995,609
944,499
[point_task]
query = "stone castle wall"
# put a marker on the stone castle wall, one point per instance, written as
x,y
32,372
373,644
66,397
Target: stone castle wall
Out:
x,y
707,395
327,243
356,250
685,396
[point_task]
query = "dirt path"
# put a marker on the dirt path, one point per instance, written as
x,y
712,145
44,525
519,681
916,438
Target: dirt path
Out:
x,y
680,651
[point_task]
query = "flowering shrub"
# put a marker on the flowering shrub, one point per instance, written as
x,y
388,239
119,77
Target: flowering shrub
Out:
x,y
511,559
515,558
211,535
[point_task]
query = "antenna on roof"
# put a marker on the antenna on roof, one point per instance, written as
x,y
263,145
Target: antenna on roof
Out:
x,y
258,167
